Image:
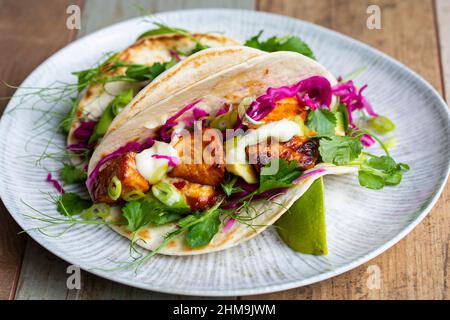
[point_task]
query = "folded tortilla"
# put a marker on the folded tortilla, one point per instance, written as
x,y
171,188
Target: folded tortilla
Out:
x,y
229,85
146,51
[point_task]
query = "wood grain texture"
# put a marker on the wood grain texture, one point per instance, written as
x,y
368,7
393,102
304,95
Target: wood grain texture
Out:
x,y
443,21
29,33
44,275
417,267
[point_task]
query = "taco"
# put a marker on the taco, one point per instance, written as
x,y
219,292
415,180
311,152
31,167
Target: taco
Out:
x,y
215,162
109,87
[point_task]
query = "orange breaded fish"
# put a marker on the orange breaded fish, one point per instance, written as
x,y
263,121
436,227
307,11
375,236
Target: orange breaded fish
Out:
x,y
124,168
300,149
201,161
198,197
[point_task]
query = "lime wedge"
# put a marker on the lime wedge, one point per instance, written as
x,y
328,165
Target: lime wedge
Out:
x,y
302,227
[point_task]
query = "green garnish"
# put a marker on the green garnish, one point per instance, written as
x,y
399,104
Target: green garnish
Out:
x,y
322,121
381,124
69,204
377,172
114,188
288,43
340,150
283,177
133,195
71,174
169,195
162,29
204,228
135,216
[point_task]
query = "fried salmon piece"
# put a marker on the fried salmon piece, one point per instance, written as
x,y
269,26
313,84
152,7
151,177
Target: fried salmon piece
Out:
x,y
301,149
287,108
198,197
124,168
201,161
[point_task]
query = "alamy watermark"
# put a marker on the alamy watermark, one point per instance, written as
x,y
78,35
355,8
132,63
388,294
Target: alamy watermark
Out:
x,y
374,20
373,281
73,21
74,278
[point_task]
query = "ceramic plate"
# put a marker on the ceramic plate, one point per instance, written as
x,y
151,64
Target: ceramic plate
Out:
x,y
361,223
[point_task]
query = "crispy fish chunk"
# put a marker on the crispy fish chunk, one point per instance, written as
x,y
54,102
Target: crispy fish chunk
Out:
x,y
301,149
198,197
124,168
202,158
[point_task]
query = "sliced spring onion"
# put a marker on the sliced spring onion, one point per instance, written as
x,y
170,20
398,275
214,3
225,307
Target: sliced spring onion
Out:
x,y
101,210
114,188
381,124
133,195
169,195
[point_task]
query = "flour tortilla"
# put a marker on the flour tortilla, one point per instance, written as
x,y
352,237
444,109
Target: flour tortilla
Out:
x,y
146,51
231,85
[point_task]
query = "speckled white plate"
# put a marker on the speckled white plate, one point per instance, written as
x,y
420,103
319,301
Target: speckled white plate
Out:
x,y
361,223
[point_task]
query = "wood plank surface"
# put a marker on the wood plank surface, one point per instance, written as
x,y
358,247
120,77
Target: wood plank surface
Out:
x,y
417,267
44,275
29,33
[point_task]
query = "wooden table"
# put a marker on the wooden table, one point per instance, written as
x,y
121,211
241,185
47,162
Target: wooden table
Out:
x,y
416,32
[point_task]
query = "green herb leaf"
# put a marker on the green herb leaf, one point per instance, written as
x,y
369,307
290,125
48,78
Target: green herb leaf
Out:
x,y
370,181
90,76
202,233
340,150
322,121
162,29
283,178
136,218
69,204
159,213
71,174
376,172
288,43
86,77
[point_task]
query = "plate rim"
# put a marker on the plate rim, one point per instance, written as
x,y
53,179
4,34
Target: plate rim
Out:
x,y
269,288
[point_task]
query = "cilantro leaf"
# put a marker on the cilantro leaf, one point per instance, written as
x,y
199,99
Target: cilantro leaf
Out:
x,y
69,204
71,174
136,218
288,43
340,150
377,172
322,121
